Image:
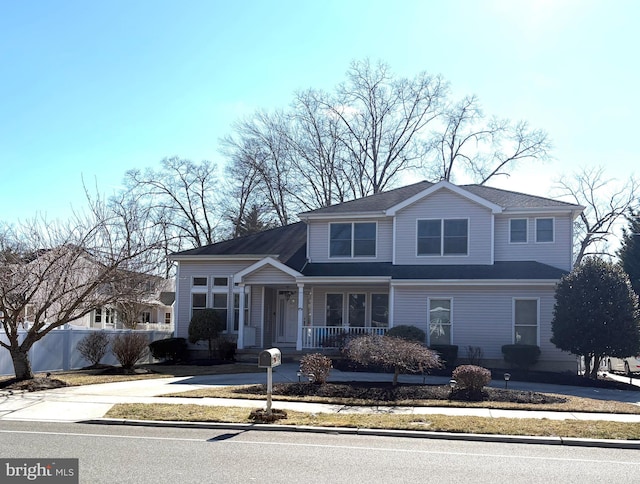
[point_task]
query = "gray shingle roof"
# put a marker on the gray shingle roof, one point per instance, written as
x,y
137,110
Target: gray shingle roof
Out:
x,y
504,270
386,200
288,243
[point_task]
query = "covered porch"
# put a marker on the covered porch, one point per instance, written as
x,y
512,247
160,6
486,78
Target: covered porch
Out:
x,y
290,311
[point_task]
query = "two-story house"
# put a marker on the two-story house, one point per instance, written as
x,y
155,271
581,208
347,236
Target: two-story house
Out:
x,y
470,265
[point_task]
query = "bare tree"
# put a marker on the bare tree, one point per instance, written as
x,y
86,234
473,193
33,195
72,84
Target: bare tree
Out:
x,y
52,274
183,198
259,148
383,118
317,152
467,143
605,201
359,140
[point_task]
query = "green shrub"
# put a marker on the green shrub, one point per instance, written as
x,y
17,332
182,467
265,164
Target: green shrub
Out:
x,y
206,324
472,379
521,356
171,349
410,333
448,354
316,367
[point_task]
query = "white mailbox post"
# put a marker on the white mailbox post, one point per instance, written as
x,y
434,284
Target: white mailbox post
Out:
x,y
269,359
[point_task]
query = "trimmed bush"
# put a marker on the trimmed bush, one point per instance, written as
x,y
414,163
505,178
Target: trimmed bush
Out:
x,y
226,348
316,367
521,356
170,349
472,379
392,353
93,347
410,333
206,324
448,354
129,348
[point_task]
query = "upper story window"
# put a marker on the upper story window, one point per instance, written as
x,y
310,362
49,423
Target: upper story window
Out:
x,y
544,230
352,239
443,237
518,230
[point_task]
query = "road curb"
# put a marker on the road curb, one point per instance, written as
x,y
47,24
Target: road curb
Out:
x,y
422,434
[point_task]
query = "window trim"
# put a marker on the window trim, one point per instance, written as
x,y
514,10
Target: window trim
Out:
x,y
513,318
441,298
442,237
526,231
553,230
353,240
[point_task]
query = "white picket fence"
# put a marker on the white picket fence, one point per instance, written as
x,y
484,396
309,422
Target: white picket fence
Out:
x,y
57,350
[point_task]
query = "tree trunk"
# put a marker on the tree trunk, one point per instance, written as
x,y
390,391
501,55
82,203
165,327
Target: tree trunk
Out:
x,y
21,364
395,376
595,367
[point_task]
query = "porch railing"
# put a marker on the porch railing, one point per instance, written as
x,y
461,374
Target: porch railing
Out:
x,y
333,336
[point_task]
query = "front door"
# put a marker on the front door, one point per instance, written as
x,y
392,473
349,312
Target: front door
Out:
x,y
287,317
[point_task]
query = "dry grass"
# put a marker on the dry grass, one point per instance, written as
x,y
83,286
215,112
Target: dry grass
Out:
x,y
93,376
572,404
434,423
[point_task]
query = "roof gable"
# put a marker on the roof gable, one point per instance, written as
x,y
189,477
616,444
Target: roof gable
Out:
x,y
238,277
444,185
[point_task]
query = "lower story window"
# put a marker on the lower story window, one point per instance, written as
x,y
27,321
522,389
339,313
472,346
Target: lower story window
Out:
x,y
334,310
145,317
439,321
220,306
525,321
167,318
380,310
357,309
236,310
198,302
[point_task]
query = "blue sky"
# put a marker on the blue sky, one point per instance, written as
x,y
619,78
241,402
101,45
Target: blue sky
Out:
x,y
92,89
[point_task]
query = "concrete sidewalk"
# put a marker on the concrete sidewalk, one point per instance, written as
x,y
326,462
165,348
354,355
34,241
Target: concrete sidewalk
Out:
x,y
90,402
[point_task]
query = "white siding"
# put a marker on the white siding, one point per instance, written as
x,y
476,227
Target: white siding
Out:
x,y
319,241
481,316
556,253
444,204
269,275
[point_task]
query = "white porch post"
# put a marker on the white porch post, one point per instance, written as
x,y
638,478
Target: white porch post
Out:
x,y
300,316
392,294
241,318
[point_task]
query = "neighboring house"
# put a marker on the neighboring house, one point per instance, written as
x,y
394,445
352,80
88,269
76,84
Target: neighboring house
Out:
x,y
470,265
144,299
152,309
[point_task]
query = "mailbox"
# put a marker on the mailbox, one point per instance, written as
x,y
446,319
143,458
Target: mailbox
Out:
x,y
269,358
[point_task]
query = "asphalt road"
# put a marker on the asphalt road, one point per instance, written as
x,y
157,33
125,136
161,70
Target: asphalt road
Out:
x,y
127,454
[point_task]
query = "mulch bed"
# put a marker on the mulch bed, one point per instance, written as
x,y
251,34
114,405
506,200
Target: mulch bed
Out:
x,y
385,392
34,385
